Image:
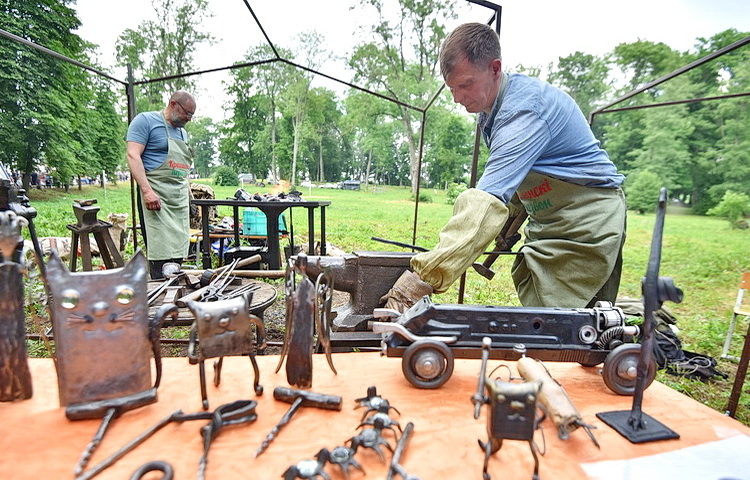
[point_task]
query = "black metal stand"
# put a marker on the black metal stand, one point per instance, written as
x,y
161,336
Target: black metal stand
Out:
x,y
635,425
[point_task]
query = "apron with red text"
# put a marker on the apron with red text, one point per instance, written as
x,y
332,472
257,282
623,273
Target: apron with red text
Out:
x,y
573,245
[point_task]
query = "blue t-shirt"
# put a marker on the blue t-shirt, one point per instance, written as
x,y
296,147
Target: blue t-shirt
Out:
x,y
540,128
147,128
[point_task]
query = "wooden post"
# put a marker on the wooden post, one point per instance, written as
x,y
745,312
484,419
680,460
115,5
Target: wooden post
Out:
x,y
15,378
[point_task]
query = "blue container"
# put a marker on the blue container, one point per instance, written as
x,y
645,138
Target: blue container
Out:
x,y
254,223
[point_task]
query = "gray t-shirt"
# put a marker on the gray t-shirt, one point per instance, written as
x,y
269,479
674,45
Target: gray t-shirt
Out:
x,y
540,128
148,129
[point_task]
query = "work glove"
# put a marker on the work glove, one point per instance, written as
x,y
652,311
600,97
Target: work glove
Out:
x,y
407,291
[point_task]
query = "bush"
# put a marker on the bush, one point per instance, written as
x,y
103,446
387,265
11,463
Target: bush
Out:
x,y
643,191
226,176
454,190
423,197
733,206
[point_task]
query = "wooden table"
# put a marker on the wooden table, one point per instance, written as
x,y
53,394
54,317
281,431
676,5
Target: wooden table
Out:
x,y
272,210
38,442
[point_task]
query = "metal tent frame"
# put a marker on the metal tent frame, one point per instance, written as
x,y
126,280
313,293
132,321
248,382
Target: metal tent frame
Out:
x,y
130,84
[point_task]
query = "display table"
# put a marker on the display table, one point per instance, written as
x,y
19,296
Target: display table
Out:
x,y
272,210
38,442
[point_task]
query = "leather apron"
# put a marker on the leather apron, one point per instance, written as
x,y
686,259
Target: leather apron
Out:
x,y
572,255
167,230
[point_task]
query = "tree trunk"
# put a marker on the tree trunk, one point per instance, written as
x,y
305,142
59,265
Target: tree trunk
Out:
x,y
274,163
295,149
369,163
321,175
413,159
15,378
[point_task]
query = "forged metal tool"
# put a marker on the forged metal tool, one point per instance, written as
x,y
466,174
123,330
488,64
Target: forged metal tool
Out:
x,y
554,398
155,466
504,241
235,413
156,292
86,456
298,398
396,467
400,244
308,307
636,425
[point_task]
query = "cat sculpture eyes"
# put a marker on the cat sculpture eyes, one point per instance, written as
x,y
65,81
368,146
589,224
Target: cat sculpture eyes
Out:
x,y
103,337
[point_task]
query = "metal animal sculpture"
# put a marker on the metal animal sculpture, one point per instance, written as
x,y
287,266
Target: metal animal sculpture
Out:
x,y
511,412
220,329
103,338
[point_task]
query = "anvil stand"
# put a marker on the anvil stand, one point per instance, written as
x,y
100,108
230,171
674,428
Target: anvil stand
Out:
x,y
635,425
86,211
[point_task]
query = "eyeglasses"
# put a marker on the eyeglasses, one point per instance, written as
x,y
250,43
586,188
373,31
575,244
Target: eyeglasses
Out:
x,y
189,114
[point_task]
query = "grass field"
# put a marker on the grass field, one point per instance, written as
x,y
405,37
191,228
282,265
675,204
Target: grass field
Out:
x,y
703,255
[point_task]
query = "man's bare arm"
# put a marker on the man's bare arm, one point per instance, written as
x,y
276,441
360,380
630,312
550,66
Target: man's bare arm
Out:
x,y
135,162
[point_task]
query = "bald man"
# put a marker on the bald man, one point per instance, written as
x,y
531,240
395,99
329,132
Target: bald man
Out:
x,y
159,159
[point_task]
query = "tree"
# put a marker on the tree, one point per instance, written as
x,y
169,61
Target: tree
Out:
x,y
400,61
49,109
734,207
165,47
642,190
450,139
584,77
251,136
325,137
202,133
296,96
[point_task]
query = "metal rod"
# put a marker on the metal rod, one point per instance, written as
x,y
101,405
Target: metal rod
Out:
x,y
676,102
419,177
679,71
400,244
86,456
59,56
109,461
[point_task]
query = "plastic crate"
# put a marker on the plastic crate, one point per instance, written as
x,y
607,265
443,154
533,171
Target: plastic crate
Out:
x,y
254,223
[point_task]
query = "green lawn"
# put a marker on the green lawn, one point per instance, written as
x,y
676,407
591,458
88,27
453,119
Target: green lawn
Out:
x,y
703,255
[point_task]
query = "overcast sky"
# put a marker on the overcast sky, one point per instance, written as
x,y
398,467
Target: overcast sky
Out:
x,y
533,32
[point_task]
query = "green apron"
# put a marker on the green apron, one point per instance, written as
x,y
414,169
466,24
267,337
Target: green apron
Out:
x,y
167,230
572,255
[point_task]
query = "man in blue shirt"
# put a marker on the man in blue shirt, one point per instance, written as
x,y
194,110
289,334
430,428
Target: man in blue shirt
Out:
x,y
159,159
542,149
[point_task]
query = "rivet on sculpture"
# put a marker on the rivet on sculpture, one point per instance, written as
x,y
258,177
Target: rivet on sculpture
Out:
x,y
103,338
15,378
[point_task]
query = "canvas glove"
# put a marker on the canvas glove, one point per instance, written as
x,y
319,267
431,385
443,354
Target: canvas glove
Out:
x,y
407,291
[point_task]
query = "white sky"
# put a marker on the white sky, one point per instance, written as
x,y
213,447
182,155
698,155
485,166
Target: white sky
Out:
x,y
533,32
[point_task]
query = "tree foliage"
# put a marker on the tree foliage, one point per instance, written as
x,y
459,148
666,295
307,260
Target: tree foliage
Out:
x,y
60,118
164,47
53,115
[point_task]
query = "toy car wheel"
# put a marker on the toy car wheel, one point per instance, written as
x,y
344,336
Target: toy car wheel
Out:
x,y
621,369
427,363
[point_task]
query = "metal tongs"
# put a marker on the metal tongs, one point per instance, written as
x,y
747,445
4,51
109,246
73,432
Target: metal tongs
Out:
x,y
235,413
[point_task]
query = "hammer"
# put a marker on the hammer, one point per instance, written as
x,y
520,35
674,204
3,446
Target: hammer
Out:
x,y
504,241
298,398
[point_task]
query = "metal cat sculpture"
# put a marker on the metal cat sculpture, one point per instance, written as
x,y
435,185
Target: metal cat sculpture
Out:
x,y
223,328
15,378
104,338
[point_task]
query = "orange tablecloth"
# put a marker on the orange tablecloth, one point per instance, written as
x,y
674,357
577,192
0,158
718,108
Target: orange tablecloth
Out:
x,y
38,442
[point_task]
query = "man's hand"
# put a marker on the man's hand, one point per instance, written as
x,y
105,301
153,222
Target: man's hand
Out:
x,y
153,202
